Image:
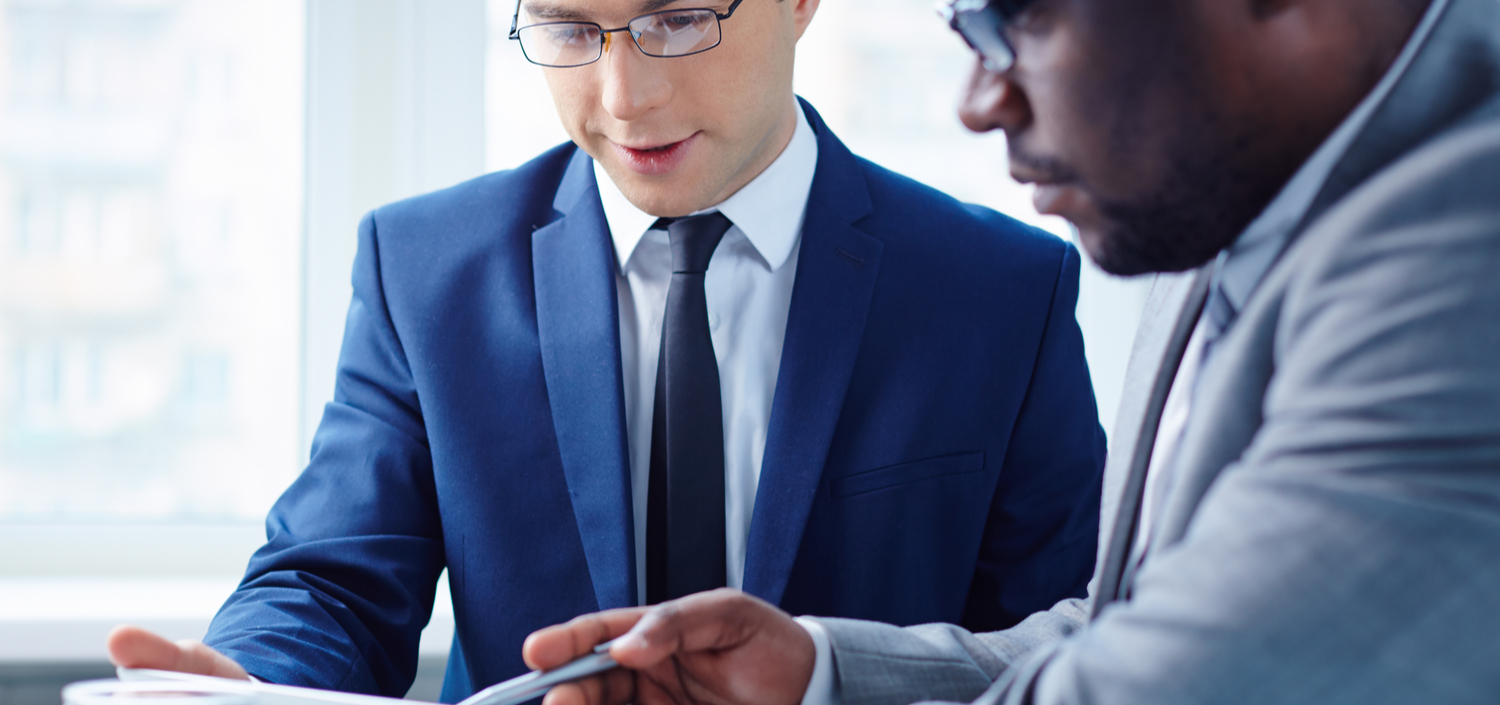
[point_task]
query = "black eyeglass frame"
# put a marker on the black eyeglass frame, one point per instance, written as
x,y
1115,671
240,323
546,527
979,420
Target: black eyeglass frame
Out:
x,y
982,25
515,32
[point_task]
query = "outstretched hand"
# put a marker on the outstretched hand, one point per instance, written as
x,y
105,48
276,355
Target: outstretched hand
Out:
x,y
714,647
133,647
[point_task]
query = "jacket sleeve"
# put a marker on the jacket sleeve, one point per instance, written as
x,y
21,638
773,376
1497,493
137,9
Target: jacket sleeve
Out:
x,y
338,596
881,664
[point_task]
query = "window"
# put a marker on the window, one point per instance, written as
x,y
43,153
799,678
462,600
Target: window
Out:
x,y
150,239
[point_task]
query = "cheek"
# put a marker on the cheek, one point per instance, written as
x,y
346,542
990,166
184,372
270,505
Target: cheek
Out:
x,y
1064,113
575,95
1097,126
746,75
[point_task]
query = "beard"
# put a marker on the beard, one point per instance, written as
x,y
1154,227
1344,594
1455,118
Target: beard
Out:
x,y
1212,191
1206,162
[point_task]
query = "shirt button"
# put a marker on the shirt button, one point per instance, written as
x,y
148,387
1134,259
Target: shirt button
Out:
x,y
713,321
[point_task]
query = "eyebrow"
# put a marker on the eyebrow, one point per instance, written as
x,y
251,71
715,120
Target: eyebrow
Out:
x,y
545,11
653,5
549,11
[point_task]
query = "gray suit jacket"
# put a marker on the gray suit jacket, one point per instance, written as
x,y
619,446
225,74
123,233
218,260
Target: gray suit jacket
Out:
x,y
1332,531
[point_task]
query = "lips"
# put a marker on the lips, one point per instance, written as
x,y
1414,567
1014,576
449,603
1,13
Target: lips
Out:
x,y
656,160
1052,198
1051,192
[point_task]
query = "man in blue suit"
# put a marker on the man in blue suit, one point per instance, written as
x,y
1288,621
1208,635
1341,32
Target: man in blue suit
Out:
x,y
861,398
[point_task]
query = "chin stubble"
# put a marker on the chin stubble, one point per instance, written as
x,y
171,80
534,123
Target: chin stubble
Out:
x,y
1211,196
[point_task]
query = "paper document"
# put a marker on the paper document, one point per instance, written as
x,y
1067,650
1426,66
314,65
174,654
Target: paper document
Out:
x,y
181,688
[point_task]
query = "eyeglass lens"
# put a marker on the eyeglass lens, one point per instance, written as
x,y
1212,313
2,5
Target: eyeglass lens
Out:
x,y
985,31
670,33
561,43
676,33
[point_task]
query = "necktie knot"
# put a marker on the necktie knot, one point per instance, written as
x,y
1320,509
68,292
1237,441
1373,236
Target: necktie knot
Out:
x,y
694,239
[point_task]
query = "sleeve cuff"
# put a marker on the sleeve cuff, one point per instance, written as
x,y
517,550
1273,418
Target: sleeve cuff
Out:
x,y
823,689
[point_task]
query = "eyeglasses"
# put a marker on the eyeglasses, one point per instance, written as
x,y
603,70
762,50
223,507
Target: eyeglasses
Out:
x,y
982,24
662,34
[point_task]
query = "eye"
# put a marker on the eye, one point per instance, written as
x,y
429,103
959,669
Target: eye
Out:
x,y
680,21
571,33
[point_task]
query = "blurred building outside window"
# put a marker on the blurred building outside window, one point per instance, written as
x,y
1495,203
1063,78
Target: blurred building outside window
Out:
x,y
180,186
150,250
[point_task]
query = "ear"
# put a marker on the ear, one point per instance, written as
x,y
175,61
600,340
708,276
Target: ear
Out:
x,y
802,13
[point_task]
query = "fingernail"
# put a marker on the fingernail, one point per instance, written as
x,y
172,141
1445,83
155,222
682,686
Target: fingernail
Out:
x,y
633,640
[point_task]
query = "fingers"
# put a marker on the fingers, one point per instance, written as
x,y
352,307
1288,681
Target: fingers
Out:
x,y
616,687
554,646
708,621
133,647
198,658
721,645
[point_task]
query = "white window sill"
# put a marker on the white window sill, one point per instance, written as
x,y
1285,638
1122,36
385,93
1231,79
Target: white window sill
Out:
x,y
65,620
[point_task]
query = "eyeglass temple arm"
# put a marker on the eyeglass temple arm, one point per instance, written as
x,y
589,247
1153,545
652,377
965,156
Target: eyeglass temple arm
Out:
x,y
722,17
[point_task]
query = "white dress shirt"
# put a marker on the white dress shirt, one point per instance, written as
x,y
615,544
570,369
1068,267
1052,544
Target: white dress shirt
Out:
x,y
748,286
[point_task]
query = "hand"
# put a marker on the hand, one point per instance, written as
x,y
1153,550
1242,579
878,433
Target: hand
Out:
x,y
133,647
714,647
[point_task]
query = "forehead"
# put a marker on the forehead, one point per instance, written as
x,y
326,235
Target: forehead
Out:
x,y
593,9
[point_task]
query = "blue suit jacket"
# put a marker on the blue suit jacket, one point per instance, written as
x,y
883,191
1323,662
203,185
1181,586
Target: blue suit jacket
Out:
x,y
933,453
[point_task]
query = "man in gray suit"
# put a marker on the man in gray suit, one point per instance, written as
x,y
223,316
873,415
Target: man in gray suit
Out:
x,y
1303,498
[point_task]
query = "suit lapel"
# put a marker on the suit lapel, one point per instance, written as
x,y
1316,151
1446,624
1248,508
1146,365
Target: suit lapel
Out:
x,y
1167,324
837,268
1227,409
578,331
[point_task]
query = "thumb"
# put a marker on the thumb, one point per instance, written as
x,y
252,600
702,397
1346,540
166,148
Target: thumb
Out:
x,y
718,620
133,647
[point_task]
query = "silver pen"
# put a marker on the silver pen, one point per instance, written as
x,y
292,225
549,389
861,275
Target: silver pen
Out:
x,y
522,688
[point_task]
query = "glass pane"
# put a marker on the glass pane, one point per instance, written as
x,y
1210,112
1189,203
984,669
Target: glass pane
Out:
x,y
150,237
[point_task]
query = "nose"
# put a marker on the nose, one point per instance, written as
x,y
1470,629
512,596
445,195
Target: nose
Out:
x,y
634,83
993,101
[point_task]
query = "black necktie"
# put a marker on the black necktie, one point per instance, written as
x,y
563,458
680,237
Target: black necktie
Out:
x,y
685,499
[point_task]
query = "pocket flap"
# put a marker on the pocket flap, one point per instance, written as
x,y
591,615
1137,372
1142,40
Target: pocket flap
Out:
x,y
893,475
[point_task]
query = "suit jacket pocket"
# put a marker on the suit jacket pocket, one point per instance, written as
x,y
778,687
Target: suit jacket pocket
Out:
x,y
906,473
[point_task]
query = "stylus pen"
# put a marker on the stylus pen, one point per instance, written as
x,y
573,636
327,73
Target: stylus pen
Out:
x,y
522,688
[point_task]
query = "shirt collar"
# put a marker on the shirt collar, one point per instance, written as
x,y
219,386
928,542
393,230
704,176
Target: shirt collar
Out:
x,y
1246,262
768,210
